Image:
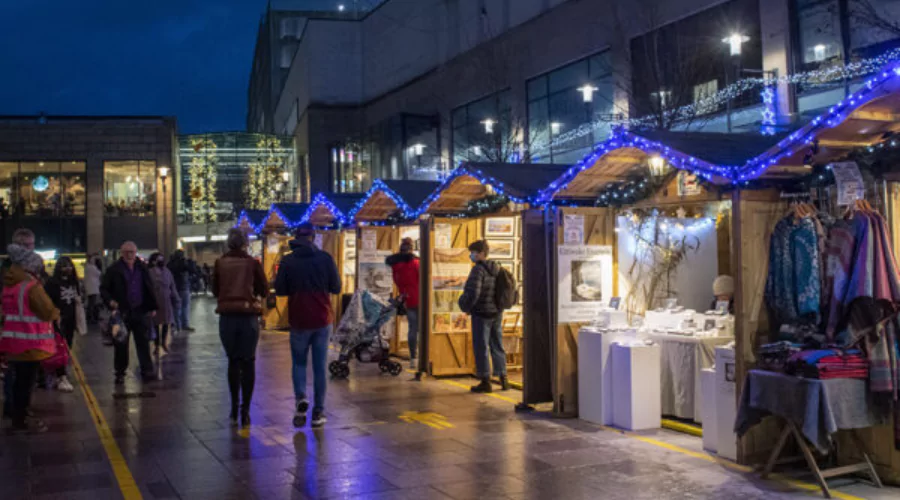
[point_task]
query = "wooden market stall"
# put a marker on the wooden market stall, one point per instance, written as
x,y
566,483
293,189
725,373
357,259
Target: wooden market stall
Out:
x,y
329,214
477,201
861,129
274,232
250,221
386,215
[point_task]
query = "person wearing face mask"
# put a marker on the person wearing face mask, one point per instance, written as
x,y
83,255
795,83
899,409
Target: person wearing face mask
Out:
x,y
478,300
167,299
64,289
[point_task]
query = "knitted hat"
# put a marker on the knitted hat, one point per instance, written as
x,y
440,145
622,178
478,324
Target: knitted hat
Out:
x,y
26,259
723,285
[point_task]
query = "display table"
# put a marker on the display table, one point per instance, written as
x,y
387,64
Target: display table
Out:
x,y
813,410
682,360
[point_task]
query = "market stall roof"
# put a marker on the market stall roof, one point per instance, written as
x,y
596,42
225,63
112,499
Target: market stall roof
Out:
x,y
326,209
251,220
284,215
863,119
521,182
387,197
626,155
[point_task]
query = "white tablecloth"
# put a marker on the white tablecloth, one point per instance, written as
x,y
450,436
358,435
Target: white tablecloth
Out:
x,y
682,360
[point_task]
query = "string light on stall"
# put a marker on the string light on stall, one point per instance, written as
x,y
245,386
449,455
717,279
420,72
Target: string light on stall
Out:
x,y
321,200
468,170
379,185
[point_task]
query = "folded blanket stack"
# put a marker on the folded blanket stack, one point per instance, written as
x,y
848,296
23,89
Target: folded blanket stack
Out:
x,y
828,364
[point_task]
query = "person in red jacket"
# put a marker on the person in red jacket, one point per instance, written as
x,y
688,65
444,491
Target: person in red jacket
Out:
x,y
405,268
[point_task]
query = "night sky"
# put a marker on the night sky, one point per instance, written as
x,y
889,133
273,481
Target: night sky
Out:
x,y
187,58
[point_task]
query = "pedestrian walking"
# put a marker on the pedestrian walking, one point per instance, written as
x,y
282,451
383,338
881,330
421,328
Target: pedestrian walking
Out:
x,y
239,285
479,301
64,289
128,288
92,275
167,300
405,269
206,271
181,272
27,337
308,277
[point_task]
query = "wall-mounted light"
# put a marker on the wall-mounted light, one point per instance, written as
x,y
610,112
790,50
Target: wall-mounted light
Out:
x,y
819,51
476,150
341,7
163,172
488,125
285,176
555,127
734,41
418,149
587,92
657,166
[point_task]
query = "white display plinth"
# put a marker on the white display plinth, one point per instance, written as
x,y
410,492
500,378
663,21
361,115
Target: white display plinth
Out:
x,y
726,403
636,386
595,403
708,408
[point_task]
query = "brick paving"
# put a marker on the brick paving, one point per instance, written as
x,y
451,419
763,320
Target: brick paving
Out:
x,y
178,442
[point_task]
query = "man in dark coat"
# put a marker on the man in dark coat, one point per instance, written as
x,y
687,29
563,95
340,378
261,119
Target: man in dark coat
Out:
x,y
128,289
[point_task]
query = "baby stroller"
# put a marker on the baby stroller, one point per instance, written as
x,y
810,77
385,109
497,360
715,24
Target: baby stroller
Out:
x,y
361,334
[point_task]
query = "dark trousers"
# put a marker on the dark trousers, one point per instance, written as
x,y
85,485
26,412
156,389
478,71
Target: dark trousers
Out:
x,y
139,327
23,385
240,335
67,330
162,332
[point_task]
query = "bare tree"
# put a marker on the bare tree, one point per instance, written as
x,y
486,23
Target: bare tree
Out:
x,y
871,14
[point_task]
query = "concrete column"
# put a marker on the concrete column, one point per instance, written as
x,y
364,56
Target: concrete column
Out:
x,y
95,191
775,29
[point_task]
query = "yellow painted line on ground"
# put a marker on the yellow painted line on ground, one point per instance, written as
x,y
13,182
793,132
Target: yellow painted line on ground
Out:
x,y
674,425
431,419
780,478
464,386
127,485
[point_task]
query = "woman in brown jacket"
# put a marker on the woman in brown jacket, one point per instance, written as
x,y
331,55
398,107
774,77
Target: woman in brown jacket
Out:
x,y
239,285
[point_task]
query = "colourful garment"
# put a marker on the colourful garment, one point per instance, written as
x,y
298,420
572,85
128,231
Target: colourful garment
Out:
x,y
793,286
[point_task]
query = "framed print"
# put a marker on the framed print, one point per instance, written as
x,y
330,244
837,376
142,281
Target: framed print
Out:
x,y
501,227
502,249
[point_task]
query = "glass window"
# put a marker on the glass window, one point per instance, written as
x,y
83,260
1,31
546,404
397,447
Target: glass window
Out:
x,y
39,189
9,174
129,188
74,190
819,30
873,22
706,91
556,106
488,131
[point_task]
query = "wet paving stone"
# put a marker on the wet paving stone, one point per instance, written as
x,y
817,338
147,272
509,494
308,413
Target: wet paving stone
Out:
x,y
180,443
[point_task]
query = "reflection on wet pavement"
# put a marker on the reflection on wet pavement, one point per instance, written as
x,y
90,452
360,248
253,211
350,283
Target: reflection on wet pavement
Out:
x,y
386,438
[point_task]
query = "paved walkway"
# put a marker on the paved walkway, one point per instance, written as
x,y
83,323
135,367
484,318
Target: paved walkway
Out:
x,y
387,438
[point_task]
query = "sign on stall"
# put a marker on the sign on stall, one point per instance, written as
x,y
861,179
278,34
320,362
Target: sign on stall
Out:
x,y
573,229
374,275
443,235
369,239
849,180
585,278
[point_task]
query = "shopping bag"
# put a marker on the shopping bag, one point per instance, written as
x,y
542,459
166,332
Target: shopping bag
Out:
x,y
80,318
116,328
61,358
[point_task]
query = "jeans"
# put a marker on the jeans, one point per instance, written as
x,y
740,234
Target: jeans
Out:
x,y
412,333
139,327
301,343
183,315
487,335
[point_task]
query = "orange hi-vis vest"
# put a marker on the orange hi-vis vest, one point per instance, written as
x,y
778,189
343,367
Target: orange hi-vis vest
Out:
x,y
24,334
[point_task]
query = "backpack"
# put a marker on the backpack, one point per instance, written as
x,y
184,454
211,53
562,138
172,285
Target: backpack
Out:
x,y
506,292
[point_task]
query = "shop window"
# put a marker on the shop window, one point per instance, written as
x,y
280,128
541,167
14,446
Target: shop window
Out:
x,y
486,130
9,173
74,189
40,193
129,188
705,91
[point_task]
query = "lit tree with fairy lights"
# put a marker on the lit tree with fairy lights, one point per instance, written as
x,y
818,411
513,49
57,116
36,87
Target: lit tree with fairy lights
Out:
x,y
263,176
202,170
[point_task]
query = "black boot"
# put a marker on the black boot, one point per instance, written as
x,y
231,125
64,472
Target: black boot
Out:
x,y
484,387
504,383
234,414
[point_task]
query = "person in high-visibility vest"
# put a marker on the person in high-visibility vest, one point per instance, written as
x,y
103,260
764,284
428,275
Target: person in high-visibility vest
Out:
x,y
27,337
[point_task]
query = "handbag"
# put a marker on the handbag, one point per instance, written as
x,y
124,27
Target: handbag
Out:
x,y
61,358
116,328
80,318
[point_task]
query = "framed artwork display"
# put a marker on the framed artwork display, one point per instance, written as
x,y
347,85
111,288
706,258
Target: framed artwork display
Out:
x,y
502,249
501,227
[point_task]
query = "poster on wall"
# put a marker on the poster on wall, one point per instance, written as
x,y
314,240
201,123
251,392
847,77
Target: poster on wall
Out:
x,y
374,275
688,184
573,229
849,181
450,269
413,234
443,236
369,239
585,278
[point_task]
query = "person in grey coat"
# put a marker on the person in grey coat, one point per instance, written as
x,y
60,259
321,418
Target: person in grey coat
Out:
x,y
167,299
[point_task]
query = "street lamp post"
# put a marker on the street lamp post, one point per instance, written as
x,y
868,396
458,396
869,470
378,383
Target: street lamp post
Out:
x,y
163,174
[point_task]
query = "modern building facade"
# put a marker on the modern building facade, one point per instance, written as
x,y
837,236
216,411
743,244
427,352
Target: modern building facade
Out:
x,y
87,184
413,87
